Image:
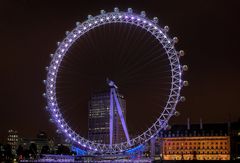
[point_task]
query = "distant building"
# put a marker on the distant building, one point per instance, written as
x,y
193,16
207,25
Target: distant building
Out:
x,y
13,139
98,118
195,142
40,141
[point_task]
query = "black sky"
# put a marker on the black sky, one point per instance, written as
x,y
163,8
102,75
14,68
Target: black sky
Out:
x,y
208,32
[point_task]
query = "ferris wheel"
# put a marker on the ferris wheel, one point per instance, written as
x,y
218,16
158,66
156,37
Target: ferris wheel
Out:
x,y
170,54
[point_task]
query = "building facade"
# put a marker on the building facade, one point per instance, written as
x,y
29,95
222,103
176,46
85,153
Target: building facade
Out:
x,y
13,139
195,142
99,118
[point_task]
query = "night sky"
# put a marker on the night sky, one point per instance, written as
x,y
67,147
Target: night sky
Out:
x,y
208,32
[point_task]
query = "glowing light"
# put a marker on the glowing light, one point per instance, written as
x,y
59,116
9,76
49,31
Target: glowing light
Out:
x,y
51,79
74,36
95,22
51,85
54,67
66,45
58,121
56,115
126,17
54,110
70,40
79,142
53,73
52,104
79,31
144,21
107,18
69,135
155,27
138,19
59,56
101,20
62,50
150,24
56,61
90,25
120,16
62,126
51,98
84,28
51,92
114,17
132,17
65,130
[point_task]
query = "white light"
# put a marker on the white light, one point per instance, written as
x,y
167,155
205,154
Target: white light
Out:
x,y
62,126
160,31
144,21
84,28
168,41
51,92
51,79
126,17
52,104
56,61
54,67
150,24
84,145
79,142
70,40
79,31
74,139
114,17
120,16
95,22
107,18
65,130
74,35
59,56
132,17
51,85
69,135
62,50
58,121
52,99
56,115
90,25
155,27
138,19
66,45
101,20
53,73
165,36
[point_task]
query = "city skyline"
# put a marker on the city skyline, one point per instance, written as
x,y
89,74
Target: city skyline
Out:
x,y
207,32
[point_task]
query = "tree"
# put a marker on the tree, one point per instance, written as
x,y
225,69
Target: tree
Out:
x,y
20,152
33,149
45,149
8,151
63,150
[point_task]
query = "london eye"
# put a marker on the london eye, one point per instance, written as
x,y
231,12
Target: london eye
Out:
x,y
128,48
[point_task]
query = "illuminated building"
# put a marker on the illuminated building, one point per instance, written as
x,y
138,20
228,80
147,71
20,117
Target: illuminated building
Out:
x,y
98,118
235,140
13,139
195,142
